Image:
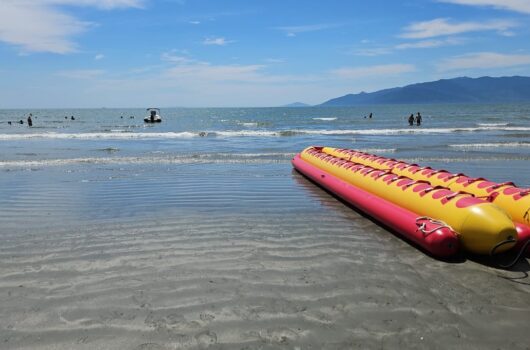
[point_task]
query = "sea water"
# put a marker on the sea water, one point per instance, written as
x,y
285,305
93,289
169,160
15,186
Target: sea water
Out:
x,y
108,163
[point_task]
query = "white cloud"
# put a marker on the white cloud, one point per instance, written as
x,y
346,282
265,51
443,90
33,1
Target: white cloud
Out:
x,y
217,41
294,30
425,44
41,26
208,72
373,71
512,5
443,27
182,58
483,60
422,44
99,56
375,51
194,22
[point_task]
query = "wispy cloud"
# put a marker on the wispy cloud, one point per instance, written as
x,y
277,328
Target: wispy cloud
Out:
x,y
422,44
373,71
426,44
99,56
373,51
294,30
443,27
217,41
41,25
177,57
483,60
512,5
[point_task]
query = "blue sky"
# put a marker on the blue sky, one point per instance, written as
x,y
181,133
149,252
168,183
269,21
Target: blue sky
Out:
x,y
203,53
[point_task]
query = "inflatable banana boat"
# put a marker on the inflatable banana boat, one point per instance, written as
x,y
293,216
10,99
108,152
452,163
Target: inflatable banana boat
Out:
x,y
479,226
514,200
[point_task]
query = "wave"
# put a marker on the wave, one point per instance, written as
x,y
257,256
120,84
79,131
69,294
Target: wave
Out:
x,y
492,124
491,145
101,135
249,124
252,133
259,158
325,119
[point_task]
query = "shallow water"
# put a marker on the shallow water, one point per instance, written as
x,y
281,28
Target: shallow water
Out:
x,y
158,238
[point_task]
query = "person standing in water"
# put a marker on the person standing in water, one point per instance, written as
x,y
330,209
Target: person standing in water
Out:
x,y
30,121
411,119
418,119
370,116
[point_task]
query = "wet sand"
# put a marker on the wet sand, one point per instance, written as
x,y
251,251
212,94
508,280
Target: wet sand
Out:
x,y
229,266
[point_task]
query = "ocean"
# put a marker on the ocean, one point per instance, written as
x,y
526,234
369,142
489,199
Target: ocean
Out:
x,y
112,146
197,232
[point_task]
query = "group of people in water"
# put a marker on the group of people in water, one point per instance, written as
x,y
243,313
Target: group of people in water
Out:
x,y
30,120
417,119
411,119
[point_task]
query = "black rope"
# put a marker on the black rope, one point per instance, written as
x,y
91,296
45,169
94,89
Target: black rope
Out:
x,y
500,244
521,252
519,255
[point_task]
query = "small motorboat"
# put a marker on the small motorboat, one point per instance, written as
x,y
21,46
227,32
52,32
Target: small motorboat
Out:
x,y
154,116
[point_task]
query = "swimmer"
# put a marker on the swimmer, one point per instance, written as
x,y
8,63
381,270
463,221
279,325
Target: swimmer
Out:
x,y
30,122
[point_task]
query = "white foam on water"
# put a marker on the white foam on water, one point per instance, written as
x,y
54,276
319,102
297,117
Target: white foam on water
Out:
x,y
492,124
325,119
189,159
377,150
249,124
491,145
100,135
251,133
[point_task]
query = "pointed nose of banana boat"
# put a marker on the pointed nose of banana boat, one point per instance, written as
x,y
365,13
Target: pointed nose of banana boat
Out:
x,y
485,228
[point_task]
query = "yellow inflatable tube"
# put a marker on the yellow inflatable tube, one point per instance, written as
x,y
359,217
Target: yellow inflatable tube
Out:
x,y
515,201
481,225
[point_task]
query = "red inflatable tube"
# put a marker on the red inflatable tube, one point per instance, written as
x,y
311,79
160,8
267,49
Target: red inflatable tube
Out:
x,y
438,240
523,235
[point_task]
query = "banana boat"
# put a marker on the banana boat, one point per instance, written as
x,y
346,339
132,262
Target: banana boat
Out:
x,y
435,237
514,200
482,227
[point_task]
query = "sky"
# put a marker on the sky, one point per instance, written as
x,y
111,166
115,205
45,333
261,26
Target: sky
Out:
x,y
247,53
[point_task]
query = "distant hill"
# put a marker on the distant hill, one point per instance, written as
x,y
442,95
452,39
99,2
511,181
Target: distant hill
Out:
x,y
457,90
297,104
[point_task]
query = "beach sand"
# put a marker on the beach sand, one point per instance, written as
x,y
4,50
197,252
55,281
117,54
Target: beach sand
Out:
x,y
223,264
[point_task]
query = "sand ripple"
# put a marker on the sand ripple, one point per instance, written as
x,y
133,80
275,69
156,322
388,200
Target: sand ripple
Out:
x,y
222,265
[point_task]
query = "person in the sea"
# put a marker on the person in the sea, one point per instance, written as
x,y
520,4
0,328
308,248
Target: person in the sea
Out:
x,y
30,121
411,119
21,121
418,119
370,116
9,122
72,117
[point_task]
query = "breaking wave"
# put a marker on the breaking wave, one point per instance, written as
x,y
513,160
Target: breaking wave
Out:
x,y
491,145
251,133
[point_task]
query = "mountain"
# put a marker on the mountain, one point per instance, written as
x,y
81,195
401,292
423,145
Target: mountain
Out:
x,y
297,104
456,90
